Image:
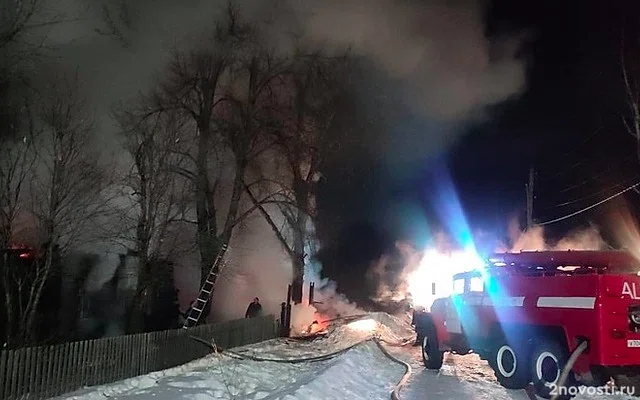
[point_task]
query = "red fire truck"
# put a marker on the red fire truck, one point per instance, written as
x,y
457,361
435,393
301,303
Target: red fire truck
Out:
x,y
525,313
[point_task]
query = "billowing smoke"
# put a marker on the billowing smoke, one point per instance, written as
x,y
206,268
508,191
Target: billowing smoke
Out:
x,y
396,273
436,263
534,239
326,303
433,57
436,51
256,266
624,227
391,281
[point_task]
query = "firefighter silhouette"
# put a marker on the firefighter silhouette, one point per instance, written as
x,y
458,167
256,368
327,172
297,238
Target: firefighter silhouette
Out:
x,y
254,309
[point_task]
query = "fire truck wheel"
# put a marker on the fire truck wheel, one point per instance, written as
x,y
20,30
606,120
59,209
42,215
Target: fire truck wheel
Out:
x,y
548,359
510,365
431,354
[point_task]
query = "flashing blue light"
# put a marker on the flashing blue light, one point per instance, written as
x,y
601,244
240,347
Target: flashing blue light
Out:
x,y
449,209
448,206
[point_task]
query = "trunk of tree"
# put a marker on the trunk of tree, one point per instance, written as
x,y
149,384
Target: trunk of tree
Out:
x,y
9,310
143,228
234,202
300,188
136,308
50,228
35,295
297,282
42,270
225,237
205,209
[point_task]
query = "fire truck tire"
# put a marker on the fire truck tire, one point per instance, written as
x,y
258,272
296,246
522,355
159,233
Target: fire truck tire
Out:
x,y
548,359
432,357
509,363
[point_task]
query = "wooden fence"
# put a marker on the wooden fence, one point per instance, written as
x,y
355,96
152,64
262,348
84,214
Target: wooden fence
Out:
x,y
43,372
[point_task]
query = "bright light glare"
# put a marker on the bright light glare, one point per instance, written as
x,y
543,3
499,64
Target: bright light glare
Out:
x,y
363,325
439,268
476,284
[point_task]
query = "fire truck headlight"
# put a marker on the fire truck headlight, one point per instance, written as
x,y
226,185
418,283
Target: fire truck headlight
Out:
x,y
635,317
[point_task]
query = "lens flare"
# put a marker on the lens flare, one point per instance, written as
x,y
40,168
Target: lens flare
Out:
x,y
434,276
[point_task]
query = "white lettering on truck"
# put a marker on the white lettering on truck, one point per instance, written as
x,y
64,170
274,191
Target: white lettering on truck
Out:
x,y
630,290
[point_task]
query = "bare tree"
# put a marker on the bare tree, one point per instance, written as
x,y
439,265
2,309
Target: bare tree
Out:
x,y
17,23
17,158
16,161
160,196
24,29
195,88
307,110
16,19
66,188
119,21
224,91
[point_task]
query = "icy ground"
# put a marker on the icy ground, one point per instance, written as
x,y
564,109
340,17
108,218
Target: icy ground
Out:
x,y
362,372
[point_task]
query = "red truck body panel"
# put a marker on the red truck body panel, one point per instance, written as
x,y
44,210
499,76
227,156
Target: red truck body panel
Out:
x,y
590,298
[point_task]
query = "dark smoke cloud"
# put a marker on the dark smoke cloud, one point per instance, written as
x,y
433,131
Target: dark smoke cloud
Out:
x,y
427,70
432,73
436,51
433,57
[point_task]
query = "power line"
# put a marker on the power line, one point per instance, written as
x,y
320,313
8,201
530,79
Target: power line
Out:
x,y
591,206
586,181
592,195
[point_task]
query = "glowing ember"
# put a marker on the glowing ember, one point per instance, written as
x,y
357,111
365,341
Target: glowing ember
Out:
x,y
434,276
319,325
363,325
313,328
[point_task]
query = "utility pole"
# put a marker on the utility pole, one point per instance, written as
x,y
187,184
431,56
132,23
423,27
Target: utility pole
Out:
x,y
529,191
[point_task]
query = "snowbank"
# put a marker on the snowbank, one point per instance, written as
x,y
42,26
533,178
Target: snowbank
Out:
x,y
361,372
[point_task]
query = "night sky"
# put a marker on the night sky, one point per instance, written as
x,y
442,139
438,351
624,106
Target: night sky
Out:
x,y
566,125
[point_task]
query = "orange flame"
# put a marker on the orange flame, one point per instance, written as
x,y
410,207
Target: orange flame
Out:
x,y
319,325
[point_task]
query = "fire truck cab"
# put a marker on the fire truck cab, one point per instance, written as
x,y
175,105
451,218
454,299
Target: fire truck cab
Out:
x,y
525,313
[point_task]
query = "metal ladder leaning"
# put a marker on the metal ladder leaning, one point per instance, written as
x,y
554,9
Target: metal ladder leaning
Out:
x,y
205,291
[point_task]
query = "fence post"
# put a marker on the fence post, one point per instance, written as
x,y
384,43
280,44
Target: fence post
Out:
x,y
87,369
4,372
60,368
21,370
145,355
72,376
66,364
30,377
12,376
83,348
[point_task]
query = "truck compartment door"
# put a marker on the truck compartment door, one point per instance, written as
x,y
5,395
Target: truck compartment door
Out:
x,y
452,321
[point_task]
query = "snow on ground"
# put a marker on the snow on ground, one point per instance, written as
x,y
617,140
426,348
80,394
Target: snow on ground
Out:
x,y
467,377
362,372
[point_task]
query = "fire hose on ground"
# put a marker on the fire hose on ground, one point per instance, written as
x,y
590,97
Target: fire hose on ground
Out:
x,y
570,362
395,394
